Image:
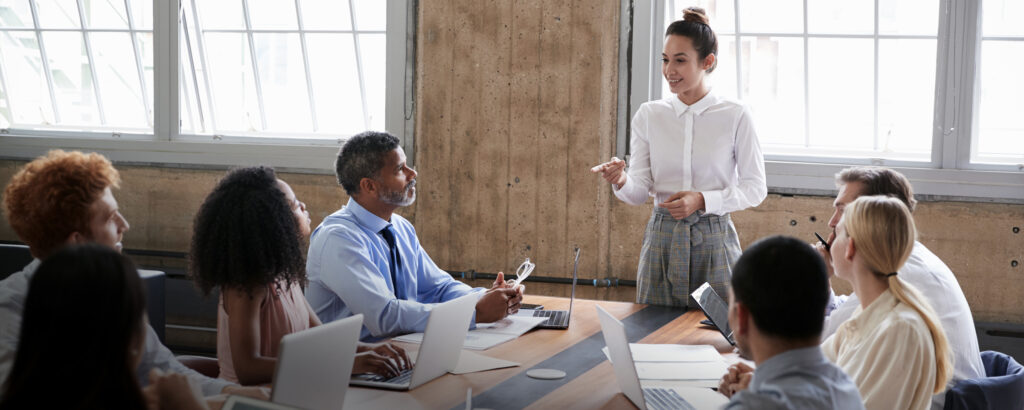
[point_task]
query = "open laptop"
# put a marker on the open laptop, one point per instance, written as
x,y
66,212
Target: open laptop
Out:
x,y
314,365
715,309
559,319
648,397
439,352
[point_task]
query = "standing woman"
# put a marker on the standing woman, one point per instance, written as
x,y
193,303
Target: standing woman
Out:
x,y
697,154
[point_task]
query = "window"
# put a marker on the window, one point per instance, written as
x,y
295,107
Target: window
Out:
x,y
894,83
256,81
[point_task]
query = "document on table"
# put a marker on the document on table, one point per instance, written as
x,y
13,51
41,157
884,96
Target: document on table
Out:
x,y
470,362
699,365
488,335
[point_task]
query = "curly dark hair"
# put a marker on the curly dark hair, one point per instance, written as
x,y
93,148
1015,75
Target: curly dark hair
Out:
x,y
245,235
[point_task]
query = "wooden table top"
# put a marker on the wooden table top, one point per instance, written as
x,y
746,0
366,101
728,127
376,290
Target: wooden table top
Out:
x,y
589,383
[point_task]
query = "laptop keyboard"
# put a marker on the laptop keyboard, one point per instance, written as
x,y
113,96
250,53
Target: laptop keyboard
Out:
x,y
660,398
402,378
555,317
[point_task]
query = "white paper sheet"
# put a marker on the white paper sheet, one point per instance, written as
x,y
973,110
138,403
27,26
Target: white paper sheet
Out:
x,y
488,335
643,352
681,370
470,362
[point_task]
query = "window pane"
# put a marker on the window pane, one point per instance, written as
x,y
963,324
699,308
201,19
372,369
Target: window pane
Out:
x,y
781,16
57,14
118,77
841,17
145,42
235,104
906,95
1000,131
15,14
371,15
374,67
27,94
723,78
142,13
841,93
72,78
105,14
276,15
326,15
283,78
332,64
773,87
1002,17
721,13
219,14
908,17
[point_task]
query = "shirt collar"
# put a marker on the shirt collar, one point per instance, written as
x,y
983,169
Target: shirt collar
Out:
x,y
366,218
781,364
874,313
698,107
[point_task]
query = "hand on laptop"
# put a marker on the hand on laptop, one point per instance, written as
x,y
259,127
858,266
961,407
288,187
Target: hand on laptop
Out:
x,y
389,363
393,352
736,380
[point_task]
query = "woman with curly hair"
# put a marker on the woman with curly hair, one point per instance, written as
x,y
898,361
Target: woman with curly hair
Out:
x,y
248,239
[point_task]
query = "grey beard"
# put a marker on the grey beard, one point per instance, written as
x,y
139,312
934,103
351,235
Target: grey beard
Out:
x,y
400,198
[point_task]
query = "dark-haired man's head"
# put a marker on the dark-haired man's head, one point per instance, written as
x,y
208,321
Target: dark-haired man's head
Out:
x,y
372,168
778,295
65,197
855,182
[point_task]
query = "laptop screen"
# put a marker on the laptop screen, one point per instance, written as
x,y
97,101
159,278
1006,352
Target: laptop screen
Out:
x,y
572,293
714,307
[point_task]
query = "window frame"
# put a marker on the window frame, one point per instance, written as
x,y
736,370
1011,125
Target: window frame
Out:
x,y
168,146
950,173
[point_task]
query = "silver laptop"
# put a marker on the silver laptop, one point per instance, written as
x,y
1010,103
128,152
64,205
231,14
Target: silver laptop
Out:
x,y
559,319
314,365
648,397
439,352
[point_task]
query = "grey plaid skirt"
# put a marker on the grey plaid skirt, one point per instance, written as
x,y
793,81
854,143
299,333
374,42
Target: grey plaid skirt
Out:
x,y
680,255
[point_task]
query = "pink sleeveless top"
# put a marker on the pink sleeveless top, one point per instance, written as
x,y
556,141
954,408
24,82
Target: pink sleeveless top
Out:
x,y
285,311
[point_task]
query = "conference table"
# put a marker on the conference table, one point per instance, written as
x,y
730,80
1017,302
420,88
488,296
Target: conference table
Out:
x,y
590,380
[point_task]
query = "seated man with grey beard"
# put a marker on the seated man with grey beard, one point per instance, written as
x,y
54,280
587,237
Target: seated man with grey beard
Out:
x,y
366,259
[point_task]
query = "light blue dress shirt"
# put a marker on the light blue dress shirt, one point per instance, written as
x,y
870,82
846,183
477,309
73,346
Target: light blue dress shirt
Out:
x,y
349,273
798,379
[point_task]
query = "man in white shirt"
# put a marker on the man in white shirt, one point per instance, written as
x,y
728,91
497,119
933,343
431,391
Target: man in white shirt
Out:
x,y
65,198
923,270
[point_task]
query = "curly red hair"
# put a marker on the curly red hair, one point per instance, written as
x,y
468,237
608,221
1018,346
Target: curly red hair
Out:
x,y
50,197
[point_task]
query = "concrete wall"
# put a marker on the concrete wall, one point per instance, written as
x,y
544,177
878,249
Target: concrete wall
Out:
x,y
515,102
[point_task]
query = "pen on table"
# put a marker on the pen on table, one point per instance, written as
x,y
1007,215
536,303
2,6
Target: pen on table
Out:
x,y
823,242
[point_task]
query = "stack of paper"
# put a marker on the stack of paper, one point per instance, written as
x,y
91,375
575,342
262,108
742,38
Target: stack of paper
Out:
x,y
488,335
691,365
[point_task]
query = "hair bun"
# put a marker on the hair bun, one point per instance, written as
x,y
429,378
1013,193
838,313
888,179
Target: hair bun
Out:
x,y
695,15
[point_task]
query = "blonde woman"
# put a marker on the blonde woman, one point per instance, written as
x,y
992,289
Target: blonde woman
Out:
x,y
894,347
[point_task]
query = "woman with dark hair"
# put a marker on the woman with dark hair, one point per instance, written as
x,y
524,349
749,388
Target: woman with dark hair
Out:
x,y
248,239
93,294
697,154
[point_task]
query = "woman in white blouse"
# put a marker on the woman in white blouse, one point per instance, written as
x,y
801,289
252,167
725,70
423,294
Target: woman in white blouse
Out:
x,y
893,347
697,154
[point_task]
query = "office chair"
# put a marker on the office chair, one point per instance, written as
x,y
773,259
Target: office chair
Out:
x,y
1001,388
13,258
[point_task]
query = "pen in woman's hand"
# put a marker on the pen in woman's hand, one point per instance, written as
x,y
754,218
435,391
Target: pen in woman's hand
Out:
x,y
823,242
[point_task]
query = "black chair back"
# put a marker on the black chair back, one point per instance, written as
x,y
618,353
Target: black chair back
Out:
x,y
13,258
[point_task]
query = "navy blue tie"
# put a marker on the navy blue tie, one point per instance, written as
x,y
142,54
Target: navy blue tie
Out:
x,y
393,258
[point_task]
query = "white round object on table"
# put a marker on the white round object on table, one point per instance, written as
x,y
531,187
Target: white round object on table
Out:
x,y
545,374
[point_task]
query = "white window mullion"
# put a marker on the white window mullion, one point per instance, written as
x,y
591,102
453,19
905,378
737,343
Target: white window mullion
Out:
x,y
305,64
138,61
738,41
92,63
876,80
45,60
206,71
166,110
807,78
359,63
255,66
955,83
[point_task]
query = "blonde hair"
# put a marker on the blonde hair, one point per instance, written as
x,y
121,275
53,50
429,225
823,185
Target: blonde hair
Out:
x,y
884,233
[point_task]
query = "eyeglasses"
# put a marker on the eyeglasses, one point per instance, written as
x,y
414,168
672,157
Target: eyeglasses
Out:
x,y
524,271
